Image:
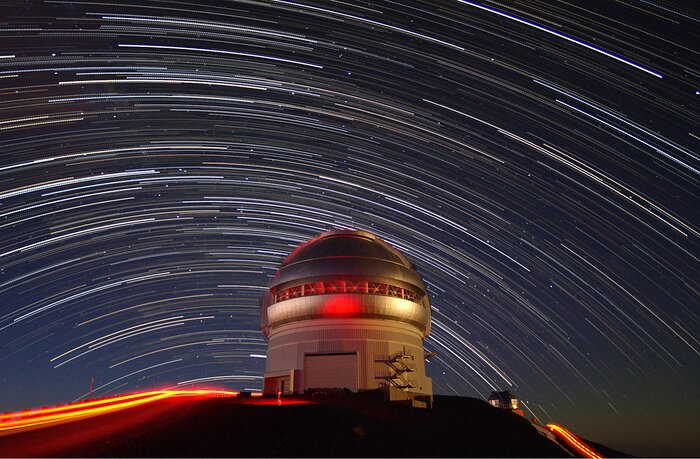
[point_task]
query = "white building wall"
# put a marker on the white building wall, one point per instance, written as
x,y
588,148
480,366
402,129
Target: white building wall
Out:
x,y
370,339
331,370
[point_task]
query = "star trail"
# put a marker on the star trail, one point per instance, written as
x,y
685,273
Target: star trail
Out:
x,y
537,161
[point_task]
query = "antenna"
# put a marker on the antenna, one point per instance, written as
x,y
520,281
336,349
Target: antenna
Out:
x,y
92,380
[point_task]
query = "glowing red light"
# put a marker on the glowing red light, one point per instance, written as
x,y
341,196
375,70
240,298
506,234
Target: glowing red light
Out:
x,y
576,443
31,418
341,304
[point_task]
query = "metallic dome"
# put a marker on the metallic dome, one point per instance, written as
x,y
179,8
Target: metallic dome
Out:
x,y
346,274
334,244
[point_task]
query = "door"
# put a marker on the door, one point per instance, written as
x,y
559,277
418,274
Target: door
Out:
x,y
286,386
331,370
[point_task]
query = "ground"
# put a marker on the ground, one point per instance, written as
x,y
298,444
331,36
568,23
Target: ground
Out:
x,y
337,426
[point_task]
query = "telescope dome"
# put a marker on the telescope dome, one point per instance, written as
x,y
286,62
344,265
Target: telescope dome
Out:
x,y
347,310
346,274
334,244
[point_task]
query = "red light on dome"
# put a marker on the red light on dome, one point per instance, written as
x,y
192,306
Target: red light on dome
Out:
x,y
341,304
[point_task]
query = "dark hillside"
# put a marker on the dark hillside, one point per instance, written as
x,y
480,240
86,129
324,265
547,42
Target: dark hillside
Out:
x,y
340,426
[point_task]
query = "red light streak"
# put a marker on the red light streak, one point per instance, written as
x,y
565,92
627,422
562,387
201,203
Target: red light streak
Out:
x,y
23,419
575,442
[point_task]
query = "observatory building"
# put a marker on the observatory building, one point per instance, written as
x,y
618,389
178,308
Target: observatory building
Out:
x,y
346,310
505,400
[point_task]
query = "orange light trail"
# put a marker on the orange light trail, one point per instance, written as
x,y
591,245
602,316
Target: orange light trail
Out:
x,y
23,419
575,442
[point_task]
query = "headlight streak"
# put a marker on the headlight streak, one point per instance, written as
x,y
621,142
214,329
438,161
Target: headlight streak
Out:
x,y
576,443
81,410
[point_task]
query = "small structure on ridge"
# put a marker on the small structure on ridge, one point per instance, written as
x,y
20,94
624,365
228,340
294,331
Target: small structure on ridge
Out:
x,y
505,400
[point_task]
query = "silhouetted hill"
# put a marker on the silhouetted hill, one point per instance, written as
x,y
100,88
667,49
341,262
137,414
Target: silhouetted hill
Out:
x,y
339,426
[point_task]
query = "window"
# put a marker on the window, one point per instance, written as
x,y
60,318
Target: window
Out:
x,y
330,287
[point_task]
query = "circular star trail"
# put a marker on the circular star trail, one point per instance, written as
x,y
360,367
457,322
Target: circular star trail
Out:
x,y
537,161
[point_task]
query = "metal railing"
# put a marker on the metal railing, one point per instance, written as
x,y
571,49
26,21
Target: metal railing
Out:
x,y
343,286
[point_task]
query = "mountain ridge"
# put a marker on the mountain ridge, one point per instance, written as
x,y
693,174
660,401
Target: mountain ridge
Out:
x,y
353,425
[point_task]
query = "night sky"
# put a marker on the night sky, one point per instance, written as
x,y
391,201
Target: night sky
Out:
x,y
537,161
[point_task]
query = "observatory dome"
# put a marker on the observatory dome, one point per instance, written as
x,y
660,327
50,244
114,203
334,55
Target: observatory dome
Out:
x,y
343,274
346,310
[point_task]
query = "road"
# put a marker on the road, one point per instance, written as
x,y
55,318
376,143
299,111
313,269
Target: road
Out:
x,y
574,442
